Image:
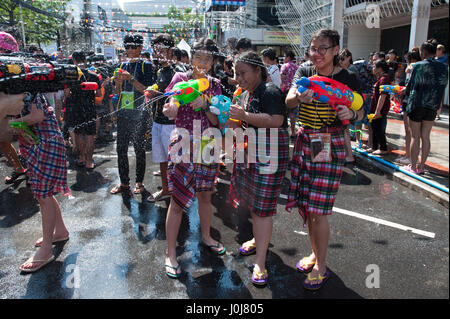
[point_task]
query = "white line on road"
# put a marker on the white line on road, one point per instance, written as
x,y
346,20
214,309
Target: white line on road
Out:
x,y
379,221
368,218
384,222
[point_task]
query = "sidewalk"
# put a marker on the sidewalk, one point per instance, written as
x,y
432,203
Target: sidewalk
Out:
x,y
437,165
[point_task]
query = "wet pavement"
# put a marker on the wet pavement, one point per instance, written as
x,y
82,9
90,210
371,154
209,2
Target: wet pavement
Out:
x,y
117,246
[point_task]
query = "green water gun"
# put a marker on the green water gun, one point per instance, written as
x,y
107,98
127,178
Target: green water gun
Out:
x,y
186,92
26,130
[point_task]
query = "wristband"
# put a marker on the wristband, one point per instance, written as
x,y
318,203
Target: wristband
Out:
x,y
355,116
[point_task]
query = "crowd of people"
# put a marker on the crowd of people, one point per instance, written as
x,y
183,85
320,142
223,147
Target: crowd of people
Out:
x,y
131,97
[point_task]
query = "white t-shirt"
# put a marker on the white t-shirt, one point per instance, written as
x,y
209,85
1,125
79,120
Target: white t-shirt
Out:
x,y
275,75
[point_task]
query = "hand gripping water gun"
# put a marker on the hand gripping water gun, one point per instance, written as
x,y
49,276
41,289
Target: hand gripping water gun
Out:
x,y
331,92
186,92
220,106
26,130
30,77
392,89
237,94
396,106
370,117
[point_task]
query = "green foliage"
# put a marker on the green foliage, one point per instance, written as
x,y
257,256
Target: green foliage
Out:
x,y
39,28
185,18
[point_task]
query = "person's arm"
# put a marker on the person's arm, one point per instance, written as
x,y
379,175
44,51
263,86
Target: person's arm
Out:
x,y
256,119
126,76
35,116
11,104
380,104
58,106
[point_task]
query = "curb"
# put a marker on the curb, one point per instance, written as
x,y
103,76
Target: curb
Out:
x,y
409,182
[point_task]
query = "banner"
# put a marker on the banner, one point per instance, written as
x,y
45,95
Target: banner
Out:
x,y
238,3
281,37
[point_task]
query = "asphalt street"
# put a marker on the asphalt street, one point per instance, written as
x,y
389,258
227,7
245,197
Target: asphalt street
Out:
x,y
386,241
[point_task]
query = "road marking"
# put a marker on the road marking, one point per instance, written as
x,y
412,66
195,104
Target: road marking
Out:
x,y
379,221
384,222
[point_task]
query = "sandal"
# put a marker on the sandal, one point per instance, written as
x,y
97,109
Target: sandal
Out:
x,y
260,278
211,248
43,263
247,249
409,169
138,189
155,197
323,279
308,268
120,189
175,275
14,176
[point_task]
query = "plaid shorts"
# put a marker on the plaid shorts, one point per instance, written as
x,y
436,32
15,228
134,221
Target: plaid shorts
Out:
x,y
186,179
257,190
314,186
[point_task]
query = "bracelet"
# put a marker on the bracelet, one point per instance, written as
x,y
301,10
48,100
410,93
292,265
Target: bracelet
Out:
x,y
355,116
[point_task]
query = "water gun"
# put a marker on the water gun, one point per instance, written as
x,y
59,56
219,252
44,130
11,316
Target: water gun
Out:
x,y
26,130
18,75
186,92
396,106
392,89
220,106
237,94
370,117
153,87
116,72
331,92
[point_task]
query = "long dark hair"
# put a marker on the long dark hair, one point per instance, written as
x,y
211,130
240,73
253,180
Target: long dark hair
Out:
x,y
252,59
334,38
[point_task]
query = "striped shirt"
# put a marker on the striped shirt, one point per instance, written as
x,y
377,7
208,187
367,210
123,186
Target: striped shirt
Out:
x,y
317,115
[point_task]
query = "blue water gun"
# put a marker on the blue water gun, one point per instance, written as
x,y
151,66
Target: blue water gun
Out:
x,y
220,106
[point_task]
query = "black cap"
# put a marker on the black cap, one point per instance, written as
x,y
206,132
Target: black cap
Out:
x,y
136,39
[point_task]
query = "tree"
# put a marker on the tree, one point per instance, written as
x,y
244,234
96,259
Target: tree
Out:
x,y
39,28
183,22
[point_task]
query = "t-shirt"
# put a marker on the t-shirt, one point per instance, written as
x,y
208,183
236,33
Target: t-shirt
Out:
x,y
186,114
426,85
316,115
267,98
275,75
142,71
288,70
384,80
163,78
83,101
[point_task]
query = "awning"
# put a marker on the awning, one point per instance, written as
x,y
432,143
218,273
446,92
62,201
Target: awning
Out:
x,y
236,3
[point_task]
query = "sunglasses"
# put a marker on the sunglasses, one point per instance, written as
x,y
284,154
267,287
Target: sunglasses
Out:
x,y
132,46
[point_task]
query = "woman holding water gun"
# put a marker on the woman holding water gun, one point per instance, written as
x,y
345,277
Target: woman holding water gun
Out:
x,y
188,180
47,172
256,186
319,152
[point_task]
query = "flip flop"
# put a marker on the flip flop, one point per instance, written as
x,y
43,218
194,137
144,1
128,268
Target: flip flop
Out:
x,y
308,268
247,250
323,279
54,242
138,189
258,278
121,189
216,246
30,270
157,197
176,275
14,176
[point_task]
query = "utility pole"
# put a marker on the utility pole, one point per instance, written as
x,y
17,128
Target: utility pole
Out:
x,y
23,29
